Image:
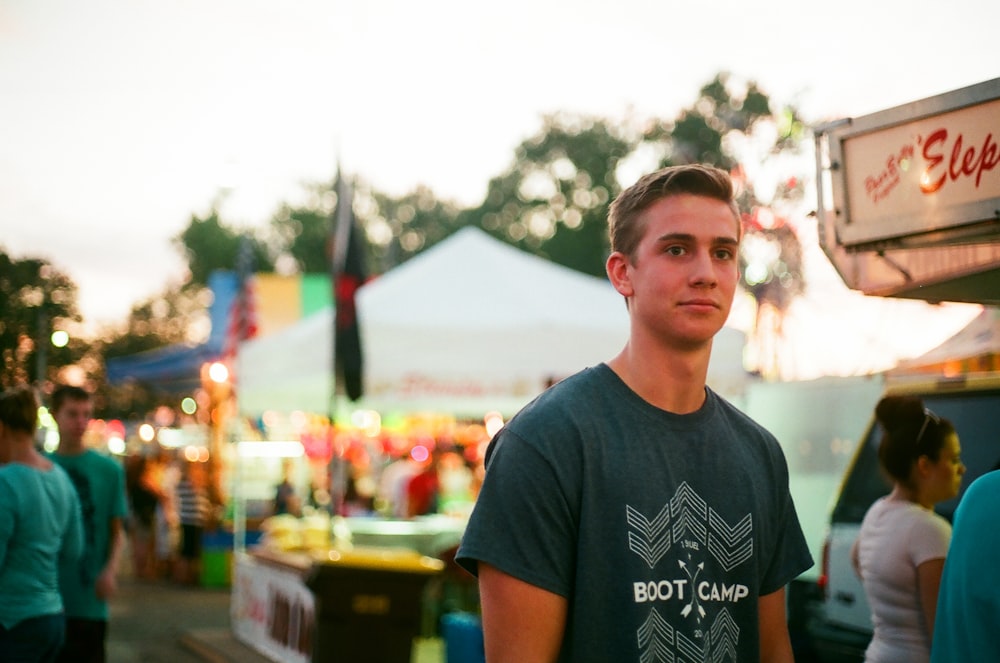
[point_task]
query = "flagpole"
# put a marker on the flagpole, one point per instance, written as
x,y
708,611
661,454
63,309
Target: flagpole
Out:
x,y
336,264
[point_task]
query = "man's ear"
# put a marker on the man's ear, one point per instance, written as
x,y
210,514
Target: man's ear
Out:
x,y
617,267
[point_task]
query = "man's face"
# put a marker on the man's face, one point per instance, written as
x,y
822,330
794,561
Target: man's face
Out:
x,y
681,280
72,419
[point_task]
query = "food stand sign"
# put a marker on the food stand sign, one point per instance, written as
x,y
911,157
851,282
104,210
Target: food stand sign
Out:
x,y
922,174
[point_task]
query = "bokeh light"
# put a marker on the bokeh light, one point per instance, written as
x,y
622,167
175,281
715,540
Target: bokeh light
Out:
x,y
60,338
218,372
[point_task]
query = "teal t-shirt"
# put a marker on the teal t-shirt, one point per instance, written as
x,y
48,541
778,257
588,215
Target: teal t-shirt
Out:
x,y
968,608
40,529
100,485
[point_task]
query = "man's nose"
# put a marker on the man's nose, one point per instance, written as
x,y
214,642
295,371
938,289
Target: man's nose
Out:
x,y
704,270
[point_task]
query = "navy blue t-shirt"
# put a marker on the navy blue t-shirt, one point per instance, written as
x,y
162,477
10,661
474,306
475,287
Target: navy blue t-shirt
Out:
x,y
660,530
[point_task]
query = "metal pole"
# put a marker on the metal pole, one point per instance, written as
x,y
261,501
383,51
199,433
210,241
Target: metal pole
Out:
x,y
42,349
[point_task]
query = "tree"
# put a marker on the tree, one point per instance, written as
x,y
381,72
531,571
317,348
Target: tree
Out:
x,y
553,200
400,228
209,245
36,299
303,235
396,228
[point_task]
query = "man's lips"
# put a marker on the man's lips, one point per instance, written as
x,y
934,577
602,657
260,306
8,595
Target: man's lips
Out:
x,y
700,303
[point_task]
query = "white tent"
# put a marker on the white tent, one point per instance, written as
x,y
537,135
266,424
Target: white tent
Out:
x,y
980,339
468,326
288,370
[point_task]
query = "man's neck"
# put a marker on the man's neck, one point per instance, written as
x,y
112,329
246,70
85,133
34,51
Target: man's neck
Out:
x,y
70,448
671,380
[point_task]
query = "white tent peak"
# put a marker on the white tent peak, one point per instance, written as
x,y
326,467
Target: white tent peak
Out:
x,y
472,280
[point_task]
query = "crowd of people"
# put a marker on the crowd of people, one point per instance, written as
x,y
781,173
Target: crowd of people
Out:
x,y
171,503
62,532
627,506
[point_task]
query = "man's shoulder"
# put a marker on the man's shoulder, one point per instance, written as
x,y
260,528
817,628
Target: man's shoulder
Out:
x,y
101,460
738,417
580,385
987,485
10,474
87,460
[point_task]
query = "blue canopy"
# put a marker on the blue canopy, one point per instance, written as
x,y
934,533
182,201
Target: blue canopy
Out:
x,y
177,368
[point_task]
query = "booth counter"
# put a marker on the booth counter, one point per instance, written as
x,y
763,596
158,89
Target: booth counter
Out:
x,y
361,605
327,589
428,535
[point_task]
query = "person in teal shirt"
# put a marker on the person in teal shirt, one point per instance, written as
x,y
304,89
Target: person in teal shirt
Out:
x,y
40,529
100,485
968,608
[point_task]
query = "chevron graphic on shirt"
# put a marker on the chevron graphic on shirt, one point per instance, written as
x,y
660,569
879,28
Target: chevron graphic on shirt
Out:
x,y
730,546
656,637
690,651
725,636
646,537
688,510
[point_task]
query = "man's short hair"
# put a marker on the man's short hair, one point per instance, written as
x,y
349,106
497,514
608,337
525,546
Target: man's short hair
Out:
x,y
19,408
68,392
624,218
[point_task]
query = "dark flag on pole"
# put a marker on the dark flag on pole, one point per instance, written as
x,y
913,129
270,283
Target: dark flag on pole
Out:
x,y
348,274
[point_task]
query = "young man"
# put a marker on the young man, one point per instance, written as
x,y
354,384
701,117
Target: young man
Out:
x,y
968,607
100,485
629,513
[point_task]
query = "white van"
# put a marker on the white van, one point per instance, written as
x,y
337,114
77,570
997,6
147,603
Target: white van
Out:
x,y
840,627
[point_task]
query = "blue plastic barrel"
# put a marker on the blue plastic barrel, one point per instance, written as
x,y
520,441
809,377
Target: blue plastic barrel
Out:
x,y
463,638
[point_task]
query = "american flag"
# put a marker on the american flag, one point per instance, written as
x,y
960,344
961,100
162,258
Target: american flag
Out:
x,y
243,311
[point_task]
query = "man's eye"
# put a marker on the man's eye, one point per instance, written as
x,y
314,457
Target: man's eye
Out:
x,y
675,250
724,254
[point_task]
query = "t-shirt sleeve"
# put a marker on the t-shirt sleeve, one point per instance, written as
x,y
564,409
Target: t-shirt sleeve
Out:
x,y
929,539
523,522
790,554
119,506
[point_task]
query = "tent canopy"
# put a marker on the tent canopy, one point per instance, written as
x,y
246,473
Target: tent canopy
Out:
x,y
978,343
177,368
468,326
473,319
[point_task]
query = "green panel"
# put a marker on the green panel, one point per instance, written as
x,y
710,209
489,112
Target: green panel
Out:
x,y
316,293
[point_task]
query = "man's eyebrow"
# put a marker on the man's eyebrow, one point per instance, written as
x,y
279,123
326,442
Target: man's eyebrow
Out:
x,y
687,237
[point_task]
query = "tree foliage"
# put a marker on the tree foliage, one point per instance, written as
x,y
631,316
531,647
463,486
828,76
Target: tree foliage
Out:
x,y
400,228
36,299
302,233
209,245
553,199
397,228
177,315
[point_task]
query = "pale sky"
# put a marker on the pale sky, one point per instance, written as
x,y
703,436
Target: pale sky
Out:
x,y
121,118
